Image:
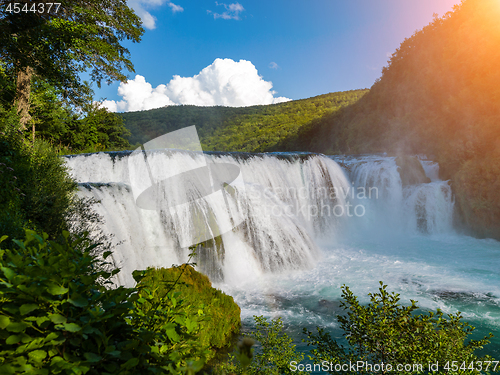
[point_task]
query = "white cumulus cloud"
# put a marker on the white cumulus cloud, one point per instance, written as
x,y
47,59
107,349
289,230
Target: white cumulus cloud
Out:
x,y
138,95
232,11
175,8
148,20
224,82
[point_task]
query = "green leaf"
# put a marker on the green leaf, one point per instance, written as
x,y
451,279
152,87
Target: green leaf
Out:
x,y
52,336
172,334
13,339
37,355
78,301
57,318
42,319
56,290
27,308
72,327
7,370
4,321
132,362
138,275
92,357
190,325
58,340
56,359
89,329
16,327
9,273
115,353
110,367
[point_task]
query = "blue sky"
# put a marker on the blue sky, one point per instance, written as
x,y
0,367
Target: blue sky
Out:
x,y
305,48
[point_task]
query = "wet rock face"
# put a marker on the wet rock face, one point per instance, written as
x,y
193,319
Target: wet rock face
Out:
x,y
411,171
477,200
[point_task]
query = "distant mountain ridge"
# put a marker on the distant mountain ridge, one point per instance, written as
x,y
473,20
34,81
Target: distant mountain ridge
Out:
x,y
251,129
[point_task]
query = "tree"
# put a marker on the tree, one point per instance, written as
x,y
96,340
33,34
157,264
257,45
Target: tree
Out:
x,y
100,130
52,117
57,41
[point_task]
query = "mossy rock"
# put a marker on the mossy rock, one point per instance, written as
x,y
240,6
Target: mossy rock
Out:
x,y
222,320
411,171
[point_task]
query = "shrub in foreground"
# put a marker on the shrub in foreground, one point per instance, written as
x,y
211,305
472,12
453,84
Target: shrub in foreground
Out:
x,y
221,315
386,332
273,355
35,188
58,315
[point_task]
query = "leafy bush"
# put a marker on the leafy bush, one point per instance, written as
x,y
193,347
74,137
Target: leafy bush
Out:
x,y
274,356
35,189
386,332
221,314
59,316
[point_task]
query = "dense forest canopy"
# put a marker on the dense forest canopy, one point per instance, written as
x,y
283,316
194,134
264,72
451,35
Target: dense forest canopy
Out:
x,y
252,129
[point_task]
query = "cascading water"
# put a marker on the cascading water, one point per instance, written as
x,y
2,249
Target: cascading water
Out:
x,y
417,208
277,232
310,224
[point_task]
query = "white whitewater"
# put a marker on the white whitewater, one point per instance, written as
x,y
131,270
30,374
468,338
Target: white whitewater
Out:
x,y
310,224
279,225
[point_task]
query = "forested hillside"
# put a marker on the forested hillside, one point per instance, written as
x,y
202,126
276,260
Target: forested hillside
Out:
x,y
439,95
252,129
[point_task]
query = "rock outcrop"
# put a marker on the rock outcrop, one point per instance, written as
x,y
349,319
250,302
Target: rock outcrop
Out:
x,y
411,171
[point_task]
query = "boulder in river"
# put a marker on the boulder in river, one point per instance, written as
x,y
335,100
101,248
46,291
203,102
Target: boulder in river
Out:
x,y
411,171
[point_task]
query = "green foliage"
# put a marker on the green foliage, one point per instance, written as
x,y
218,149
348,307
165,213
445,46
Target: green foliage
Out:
x,y
99,130
273,357
35,189
252,129
59,316
92,129
221,315
277,351
95,129
62,43
386,332
7,86
147,125
170,318
50,115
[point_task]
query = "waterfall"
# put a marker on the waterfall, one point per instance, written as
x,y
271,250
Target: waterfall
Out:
x,y
277,212
425,208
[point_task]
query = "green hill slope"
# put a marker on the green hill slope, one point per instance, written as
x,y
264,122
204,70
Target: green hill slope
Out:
x,y
251,129
440,95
